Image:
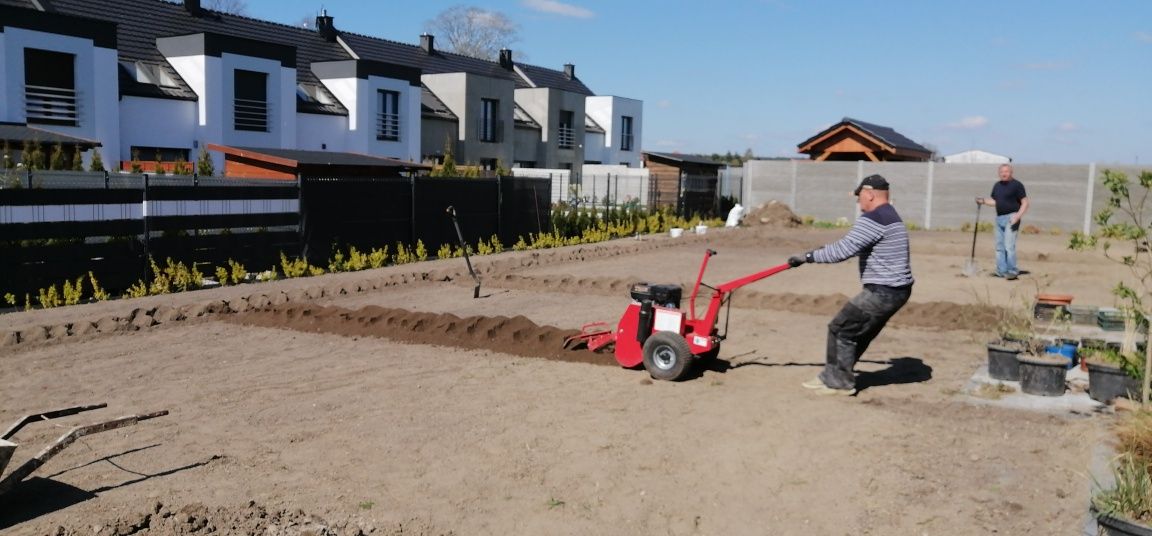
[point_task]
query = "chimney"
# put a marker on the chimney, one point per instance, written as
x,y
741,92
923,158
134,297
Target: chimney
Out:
x,y
569,71
426,43
325,27
506,58
193,7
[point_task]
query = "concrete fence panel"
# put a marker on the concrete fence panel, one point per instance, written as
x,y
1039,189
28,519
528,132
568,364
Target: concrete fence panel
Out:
x,y
934,195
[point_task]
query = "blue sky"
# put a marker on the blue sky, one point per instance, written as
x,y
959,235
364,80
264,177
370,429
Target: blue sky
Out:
x,y
1042,81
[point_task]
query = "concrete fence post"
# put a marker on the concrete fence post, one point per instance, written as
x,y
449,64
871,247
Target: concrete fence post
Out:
x,y
928,196
859,177
1088,200
792,188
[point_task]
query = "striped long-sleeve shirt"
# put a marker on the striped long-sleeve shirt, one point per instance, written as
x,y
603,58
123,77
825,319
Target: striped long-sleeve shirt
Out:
x,y
880,239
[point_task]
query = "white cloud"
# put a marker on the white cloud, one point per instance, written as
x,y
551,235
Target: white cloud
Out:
x,y
559,8
1144,37
972,122
664,103
1067,127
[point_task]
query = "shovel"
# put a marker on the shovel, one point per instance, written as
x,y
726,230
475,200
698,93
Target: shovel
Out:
x,y
971,269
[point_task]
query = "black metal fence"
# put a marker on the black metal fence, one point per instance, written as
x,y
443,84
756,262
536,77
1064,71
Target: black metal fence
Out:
x,y
367,213
688,195
59,226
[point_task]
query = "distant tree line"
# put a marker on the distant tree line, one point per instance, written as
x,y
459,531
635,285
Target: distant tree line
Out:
x,y
737,160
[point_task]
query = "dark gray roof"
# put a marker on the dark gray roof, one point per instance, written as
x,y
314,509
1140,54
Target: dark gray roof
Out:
x,y
535,76
438,62
141,22
522,119
882,133
432,106
590,125
326,158
686,158
18,132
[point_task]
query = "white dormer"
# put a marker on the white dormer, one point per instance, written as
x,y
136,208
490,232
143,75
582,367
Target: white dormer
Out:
x,y
622,120
383,102
246,88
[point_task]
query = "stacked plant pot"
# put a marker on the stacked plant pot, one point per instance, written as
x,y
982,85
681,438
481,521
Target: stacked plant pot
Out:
x,y
1042,374
1002,359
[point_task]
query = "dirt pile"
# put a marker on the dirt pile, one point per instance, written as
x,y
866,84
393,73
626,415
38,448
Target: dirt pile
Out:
x,y
516,335
772,214
253,519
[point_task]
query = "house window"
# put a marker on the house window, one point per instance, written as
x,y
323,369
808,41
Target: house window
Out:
x,y
565,135
50,88
388,124
250,109
625,133
489,129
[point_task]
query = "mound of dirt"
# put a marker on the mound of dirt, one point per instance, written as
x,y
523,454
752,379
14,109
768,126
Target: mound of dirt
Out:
x,y
253,519
516,335
772,214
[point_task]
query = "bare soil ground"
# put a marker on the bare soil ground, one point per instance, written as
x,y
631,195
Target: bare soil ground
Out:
x,y
391,402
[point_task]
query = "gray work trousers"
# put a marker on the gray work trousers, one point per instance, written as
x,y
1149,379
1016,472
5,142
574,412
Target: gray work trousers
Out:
x,y
854,328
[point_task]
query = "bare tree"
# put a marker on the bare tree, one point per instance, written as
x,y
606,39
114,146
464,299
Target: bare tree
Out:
x,y
235,7
474,32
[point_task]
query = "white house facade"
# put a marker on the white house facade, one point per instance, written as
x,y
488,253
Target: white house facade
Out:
x,y
622,120
58,73
158,82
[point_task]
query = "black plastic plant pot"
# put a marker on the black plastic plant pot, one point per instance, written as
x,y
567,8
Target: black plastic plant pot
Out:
x,y
1107,382
1118,526
1042,375
1002,363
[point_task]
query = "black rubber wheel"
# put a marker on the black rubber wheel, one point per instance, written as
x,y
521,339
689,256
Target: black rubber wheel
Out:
x,y
666,356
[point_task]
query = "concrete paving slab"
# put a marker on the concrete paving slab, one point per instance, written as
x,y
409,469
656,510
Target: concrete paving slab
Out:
x,y
983,389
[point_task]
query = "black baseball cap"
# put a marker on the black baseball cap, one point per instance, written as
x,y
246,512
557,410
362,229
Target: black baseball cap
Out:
x,y
871,182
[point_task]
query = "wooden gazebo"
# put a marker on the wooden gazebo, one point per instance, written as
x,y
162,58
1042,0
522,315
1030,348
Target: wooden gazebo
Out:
x,y
851,140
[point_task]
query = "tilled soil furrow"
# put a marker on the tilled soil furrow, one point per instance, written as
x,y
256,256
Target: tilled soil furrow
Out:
x,y
510,335
939,315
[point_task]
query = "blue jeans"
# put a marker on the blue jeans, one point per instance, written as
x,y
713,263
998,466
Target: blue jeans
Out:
x,y
1006,245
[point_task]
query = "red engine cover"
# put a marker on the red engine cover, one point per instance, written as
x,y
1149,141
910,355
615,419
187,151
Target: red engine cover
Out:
x,y
629,351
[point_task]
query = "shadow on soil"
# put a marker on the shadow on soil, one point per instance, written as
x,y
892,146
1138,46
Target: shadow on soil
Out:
x,y
38,496
900,370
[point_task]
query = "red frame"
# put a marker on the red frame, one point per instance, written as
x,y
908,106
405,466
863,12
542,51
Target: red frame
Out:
x,y
699,333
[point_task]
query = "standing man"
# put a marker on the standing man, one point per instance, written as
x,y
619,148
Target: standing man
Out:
x,y
880,239
1011,202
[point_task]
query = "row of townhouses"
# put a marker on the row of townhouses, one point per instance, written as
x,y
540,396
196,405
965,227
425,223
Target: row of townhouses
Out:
x,y
162,80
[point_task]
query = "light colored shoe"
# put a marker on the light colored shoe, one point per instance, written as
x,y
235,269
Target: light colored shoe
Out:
x,y
828,391
814,383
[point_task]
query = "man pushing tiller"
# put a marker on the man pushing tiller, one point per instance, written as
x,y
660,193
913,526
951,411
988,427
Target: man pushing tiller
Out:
x,y
880,239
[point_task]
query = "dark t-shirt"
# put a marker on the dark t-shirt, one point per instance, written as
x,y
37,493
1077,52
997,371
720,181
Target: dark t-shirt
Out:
x,y
1007,196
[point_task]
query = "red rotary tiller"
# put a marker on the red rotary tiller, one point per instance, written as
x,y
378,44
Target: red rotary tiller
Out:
x,y
655,332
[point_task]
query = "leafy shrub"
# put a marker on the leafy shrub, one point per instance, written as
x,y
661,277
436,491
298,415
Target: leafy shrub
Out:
x,y
378,257
444,252
98,293
297,267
